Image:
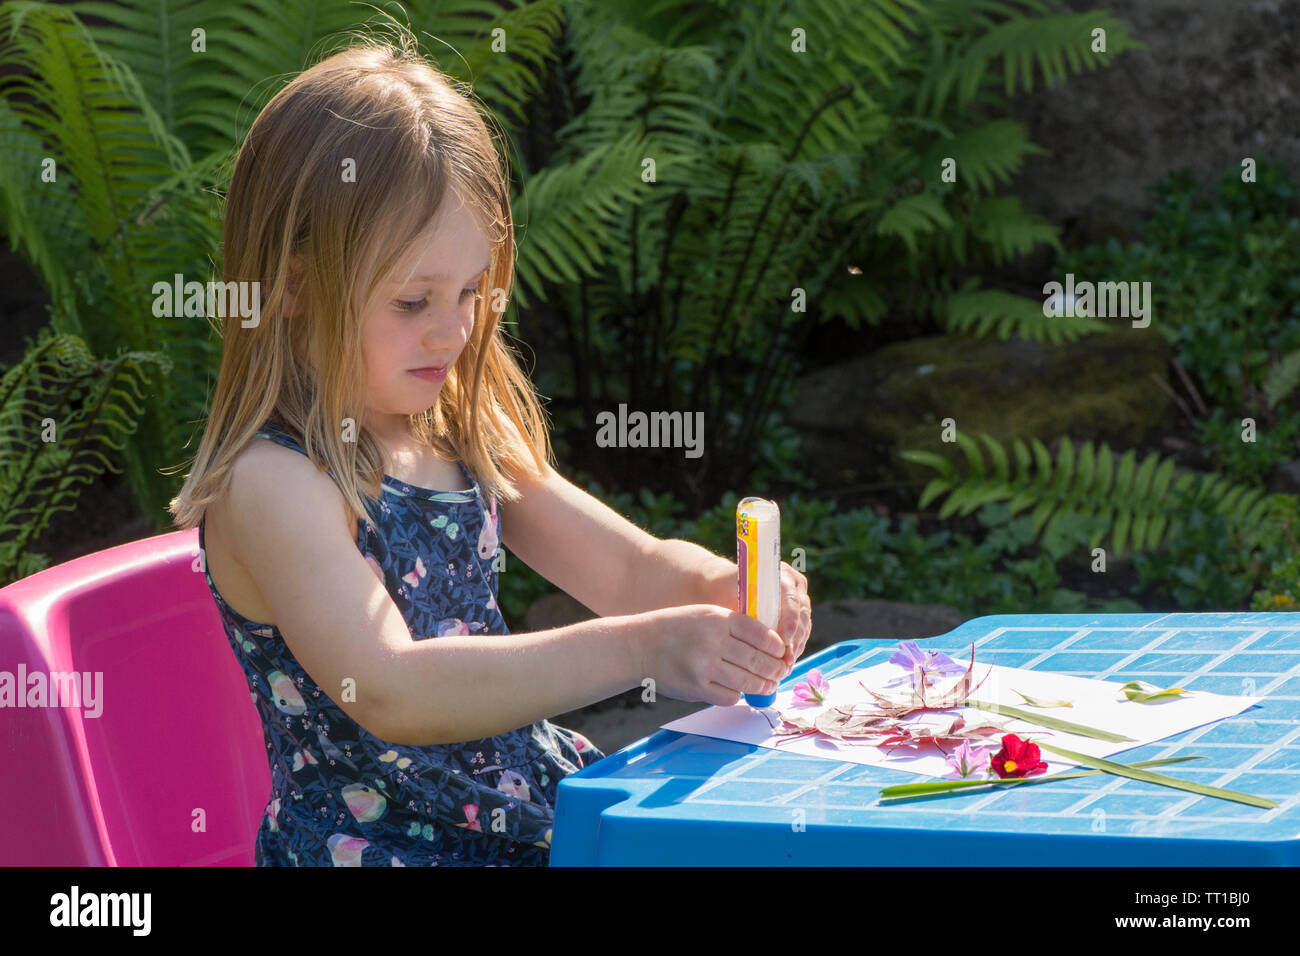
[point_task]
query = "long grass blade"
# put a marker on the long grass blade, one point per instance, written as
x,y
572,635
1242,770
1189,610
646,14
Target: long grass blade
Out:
x,y
1055,723
936,787
1126,771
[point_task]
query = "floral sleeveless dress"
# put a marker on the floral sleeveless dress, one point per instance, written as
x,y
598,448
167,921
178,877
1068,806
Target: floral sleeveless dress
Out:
x,y
341,796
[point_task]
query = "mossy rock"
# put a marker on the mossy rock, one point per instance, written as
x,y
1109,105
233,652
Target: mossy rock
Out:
x,y
856,417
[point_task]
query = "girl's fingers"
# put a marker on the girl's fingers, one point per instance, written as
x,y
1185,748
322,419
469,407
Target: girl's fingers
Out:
x,y
761,639
741,678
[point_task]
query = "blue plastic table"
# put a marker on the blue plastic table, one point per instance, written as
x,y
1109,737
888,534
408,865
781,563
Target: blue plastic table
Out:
x,y
681,799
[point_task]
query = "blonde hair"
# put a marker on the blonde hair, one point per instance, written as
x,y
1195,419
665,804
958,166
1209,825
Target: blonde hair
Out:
x,y
413,136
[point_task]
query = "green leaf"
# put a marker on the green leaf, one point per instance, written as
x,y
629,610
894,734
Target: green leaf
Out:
x,y
1052,722
1043,703
937,787
1124,770
1145,693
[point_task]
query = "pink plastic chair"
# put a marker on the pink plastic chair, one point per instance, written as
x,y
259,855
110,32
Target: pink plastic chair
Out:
x,y
177,732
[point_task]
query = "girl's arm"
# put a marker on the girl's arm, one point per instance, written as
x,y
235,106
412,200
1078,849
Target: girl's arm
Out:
x,y
287,524
613,567
590,551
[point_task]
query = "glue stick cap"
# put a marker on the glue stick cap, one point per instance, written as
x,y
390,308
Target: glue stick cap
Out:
x,y
760,700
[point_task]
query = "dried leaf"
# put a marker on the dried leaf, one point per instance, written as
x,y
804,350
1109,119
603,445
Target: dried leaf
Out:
x,y
793,724
1144,693
913,735
1034,702
844,722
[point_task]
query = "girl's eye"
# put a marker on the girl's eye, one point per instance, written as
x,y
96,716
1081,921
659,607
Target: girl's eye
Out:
x,y
418,305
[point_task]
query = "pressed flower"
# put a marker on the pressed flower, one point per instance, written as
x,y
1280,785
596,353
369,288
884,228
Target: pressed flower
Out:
x,y
925,662
1017,758
814,689
968,760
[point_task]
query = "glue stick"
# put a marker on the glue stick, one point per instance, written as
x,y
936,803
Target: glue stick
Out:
x,y
758,560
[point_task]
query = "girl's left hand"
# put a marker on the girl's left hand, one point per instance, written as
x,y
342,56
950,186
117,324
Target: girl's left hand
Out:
x,y
795,622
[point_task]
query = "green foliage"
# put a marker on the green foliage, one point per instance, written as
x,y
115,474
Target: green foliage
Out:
x,y
1254,460
789,187
1202,566
971,37
774,170
1224,266
62,414
125,209
208,98
859,554
141,118
1275,555
982,311
1119,501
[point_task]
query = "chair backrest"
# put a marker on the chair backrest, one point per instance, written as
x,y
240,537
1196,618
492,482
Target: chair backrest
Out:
x,y
161,761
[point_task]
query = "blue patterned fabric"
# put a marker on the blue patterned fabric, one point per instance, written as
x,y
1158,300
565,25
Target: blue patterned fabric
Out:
x,y
341,796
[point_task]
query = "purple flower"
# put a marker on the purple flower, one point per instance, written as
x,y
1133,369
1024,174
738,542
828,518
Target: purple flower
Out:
x,y
928,662
968,760
812,690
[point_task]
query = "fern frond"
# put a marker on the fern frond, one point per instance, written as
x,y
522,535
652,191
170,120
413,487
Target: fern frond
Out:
x,y
983,156
155,40
1282,379
566,209
89,112
1008,229
913,216
818,98
1136,504
505,68
1053,45
980,312
62,415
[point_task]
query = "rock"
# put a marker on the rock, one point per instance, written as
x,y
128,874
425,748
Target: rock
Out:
x,y
855,417
1218,75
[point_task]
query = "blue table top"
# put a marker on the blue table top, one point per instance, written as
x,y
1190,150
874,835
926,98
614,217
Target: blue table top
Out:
x,y
679,799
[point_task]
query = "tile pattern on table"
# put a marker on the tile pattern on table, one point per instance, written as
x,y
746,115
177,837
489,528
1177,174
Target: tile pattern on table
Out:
x,y
1249,752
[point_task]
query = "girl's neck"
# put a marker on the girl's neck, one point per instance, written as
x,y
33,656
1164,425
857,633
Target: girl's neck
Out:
x,y
399,445
391,431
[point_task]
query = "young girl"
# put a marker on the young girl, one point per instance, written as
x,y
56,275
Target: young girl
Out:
x,y
372,443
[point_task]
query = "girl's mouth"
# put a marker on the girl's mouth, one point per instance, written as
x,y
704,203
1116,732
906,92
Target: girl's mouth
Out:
x,y
431,374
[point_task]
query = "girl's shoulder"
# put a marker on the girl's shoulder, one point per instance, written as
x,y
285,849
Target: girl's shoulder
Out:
x,y
277,475
266,479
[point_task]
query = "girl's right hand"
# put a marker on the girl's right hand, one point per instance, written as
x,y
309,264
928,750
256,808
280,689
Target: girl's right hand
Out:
x,y
705,652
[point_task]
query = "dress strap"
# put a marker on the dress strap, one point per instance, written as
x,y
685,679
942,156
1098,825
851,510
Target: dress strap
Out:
x,y
274,431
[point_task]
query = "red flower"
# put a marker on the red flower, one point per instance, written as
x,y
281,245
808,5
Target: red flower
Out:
x,y
1017,758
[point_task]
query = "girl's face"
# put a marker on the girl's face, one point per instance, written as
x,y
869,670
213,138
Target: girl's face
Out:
x,y
421,321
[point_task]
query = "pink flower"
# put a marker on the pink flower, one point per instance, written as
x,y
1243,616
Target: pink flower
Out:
x,y
814,689
967,760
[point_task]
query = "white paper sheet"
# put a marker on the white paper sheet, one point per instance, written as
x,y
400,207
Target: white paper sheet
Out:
x,y
1096,703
